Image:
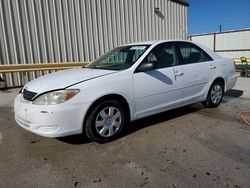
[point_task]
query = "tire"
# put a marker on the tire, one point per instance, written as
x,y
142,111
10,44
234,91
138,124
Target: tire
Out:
x,y
215,95
106,121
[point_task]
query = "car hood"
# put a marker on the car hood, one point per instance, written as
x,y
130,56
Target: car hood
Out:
x,y
63,79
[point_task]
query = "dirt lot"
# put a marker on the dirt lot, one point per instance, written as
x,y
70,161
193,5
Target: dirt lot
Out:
x,y
187,147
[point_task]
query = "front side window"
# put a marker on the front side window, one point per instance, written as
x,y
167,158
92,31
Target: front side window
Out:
x,y
119,58
163,56
192,54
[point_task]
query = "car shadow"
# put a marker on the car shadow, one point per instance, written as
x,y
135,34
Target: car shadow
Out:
x,y
75,139
154,119
161,117
231,95
160,76
139,124
235,93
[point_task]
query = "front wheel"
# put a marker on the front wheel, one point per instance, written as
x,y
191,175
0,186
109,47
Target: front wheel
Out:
x,y
106,121
215,95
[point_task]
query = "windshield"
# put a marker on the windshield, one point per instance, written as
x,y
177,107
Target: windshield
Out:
x,y
119,58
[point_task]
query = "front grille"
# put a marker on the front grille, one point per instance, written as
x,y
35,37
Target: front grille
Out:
x,y
28,95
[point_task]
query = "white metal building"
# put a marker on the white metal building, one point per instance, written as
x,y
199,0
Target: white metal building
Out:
x,y
232,44
45,31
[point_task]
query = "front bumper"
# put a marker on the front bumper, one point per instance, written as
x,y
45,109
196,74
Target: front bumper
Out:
x,y
50,120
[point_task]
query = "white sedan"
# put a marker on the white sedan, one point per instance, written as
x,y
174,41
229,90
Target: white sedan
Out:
x,y
128,83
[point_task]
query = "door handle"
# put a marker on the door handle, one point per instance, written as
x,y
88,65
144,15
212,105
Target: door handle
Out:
x,y
178,73
212,66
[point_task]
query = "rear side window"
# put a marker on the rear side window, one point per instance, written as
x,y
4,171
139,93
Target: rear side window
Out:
x,y
192,54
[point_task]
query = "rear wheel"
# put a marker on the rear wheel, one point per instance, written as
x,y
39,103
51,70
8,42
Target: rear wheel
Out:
x,y
215,95
106,121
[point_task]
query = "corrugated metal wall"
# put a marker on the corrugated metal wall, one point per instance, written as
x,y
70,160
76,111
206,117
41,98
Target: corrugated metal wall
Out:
x,y
44,31
232,44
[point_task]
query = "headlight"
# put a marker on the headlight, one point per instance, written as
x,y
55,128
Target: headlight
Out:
x,y
56,97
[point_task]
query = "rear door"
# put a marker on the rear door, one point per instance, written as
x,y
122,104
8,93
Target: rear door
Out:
x,y
198,68
157,89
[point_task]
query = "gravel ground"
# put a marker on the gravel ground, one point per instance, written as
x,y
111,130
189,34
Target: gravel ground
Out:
x,y
191,146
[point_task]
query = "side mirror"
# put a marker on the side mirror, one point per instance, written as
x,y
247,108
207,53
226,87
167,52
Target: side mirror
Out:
x,y
146,66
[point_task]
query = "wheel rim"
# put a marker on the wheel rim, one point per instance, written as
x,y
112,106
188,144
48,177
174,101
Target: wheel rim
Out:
x,y
108,121
216,94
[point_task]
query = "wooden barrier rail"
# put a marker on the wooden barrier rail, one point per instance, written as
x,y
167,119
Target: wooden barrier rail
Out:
x,y
238,60
52,66
12,68
39,67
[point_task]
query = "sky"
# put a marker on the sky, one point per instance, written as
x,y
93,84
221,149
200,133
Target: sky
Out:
x,y
205,16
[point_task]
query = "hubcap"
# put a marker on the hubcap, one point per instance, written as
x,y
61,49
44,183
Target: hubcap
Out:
x,y
216,94
108,121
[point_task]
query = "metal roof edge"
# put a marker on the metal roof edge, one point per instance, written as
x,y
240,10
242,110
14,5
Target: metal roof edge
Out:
x,y
217,32
183,2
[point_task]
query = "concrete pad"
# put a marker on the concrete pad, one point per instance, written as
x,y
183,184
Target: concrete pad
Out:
x,y
191,146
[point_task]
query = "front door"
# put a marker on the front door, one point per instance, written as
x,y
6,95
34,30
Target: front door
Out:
x,y
160,88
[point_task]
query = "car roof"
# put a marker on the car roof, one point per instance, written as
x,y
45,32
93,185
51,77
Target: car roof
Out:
x,y
152,42
156,42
